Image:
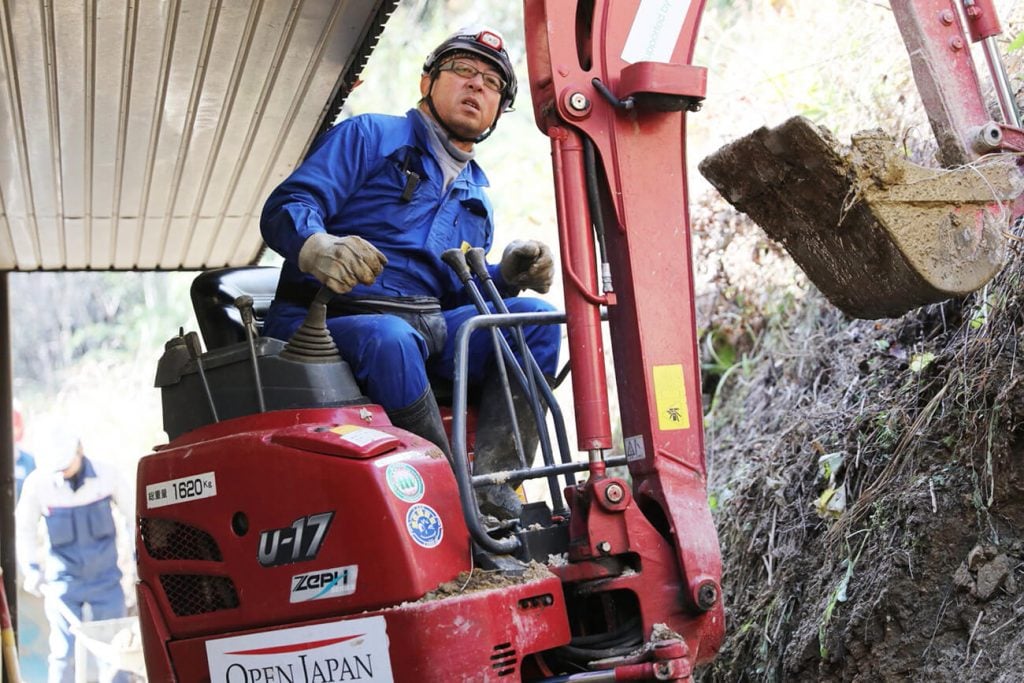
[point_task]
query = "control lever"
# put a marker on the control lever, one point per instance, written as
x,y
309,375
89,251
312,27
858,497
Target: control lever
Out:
x,y
457,260
244,306
535,381
323,296
311,342
478,264
195,352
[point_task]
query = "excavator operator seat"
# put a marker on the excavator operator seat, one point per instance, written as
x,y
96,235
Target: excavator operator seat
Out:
x,y
222,383
213,300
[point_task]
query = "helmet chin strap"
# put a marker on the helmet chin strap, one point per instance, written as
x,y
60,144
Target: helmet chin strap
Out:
x,y
451,133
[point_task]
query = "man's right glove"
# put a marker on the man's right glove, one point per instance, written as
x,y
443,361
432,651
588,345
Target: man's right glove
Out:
x,y
341,262
527,264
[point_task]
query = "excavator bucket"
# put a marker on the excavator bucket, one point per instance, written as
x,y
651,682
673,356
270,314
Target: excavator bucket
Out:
x,y
876,233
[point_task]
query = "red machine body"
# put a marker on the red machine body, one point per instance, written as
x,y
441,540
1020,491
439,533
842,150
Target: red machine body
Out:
x,y
320,513
309,544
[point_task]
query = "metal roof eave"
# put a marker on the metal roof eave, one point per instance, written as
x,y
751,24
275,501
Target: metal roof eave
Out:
x,y
145,136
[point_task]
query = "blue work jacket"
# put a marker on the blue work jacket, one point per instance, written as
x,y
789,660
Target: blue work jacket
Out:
x,y
352,183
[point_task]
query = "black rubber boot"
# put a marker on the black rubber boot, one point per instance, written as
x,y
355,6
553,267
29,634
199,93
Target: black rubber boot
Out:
x,y
423,418
495,448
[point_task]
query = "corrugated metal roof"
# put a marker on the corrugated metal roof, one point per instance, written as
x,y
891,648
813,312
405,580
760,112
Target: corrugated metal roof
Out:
x,y
145,134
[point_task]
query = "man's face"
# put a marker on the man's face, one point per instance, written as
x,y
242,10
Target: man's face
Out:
x,y
467,106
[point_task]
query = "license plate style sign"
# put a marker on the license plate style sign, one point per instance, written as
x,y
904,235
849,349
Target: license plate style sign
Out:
x,y
353,650
181,490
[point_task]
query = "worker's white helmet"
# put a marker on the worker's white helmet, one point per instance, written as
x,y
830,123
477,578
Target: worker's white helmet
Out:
x,y
56,448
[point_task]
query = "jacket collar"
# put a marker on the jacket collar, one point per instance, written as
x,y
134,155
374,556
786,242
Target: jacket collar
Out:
x,y
87,472
472,174
87,467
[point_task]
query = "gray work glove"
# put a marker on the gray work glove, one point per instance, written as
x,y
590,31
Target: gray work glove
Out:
x,y
527,264
341,262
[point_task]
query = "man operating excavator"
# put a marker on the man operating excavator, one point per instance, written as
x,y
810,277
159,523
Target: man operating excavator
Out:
x,y
368,214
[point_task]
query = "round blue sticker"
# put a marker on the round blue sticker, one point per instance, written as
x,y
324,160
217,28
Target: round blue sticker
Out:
x,y
405,482
424,525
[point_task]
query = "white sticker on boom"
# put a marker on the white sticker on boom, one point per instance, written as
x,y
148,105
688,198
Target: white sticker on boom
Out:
x,y
655,31
181,490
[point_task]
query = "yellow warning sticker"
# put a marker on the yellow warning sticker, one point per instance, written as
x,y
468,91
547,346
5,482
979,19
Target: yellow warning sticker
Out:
x,y
670,397
342,430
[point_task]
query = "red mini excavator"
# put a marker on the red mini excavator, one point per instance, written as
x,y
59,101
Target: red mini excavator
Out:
x,y
289,533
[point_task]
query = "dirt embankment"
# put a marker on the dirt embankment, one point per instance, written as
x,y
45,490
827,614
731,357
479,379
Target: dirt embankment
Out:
x,y
868,480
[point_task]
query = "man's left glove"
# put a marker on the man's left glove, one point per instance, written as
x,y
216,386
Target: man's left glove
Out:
x,y
527,264
341,262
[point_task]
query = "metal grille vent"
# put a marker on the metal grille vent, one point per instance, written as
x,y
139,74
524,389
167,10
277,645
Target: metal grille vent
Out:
x,y
191,594
503,659
166,539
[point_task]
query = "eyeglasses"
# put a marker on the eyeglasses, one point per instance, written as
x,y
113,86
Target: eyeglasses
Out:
x,y
467,71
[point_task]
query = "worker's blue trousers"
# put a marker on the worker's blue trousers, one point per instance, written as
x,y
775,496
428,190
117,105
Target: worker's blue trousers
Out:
x,y
105,599
392,361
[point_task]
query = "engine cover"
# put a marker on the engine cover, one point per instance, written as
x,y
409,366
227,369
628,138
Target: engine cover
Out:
x,y
304,542
291,515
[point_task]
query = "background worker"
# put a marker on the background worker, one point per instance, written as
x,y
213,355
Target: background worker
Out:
x,y
370,211
74,563
24,463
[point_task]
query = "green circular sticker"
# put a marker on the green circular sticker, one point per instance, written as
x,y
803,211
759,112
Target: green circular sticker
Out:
x,y
405,482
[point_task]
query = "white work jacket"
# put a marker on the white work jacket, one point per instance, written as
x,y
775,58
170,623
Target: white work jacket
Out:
x,y
80,543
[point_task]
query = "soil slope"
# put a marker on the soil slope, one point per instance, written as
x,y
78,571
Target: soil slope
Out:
x,y
867,476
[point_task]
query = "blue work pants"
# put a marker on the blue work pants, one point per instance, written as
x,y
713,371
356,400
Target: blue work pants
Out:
x,y
392,361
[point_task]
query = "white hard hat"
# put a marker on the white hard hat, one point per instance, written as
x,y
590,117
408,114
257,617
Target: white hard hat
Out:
x,y
56,448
